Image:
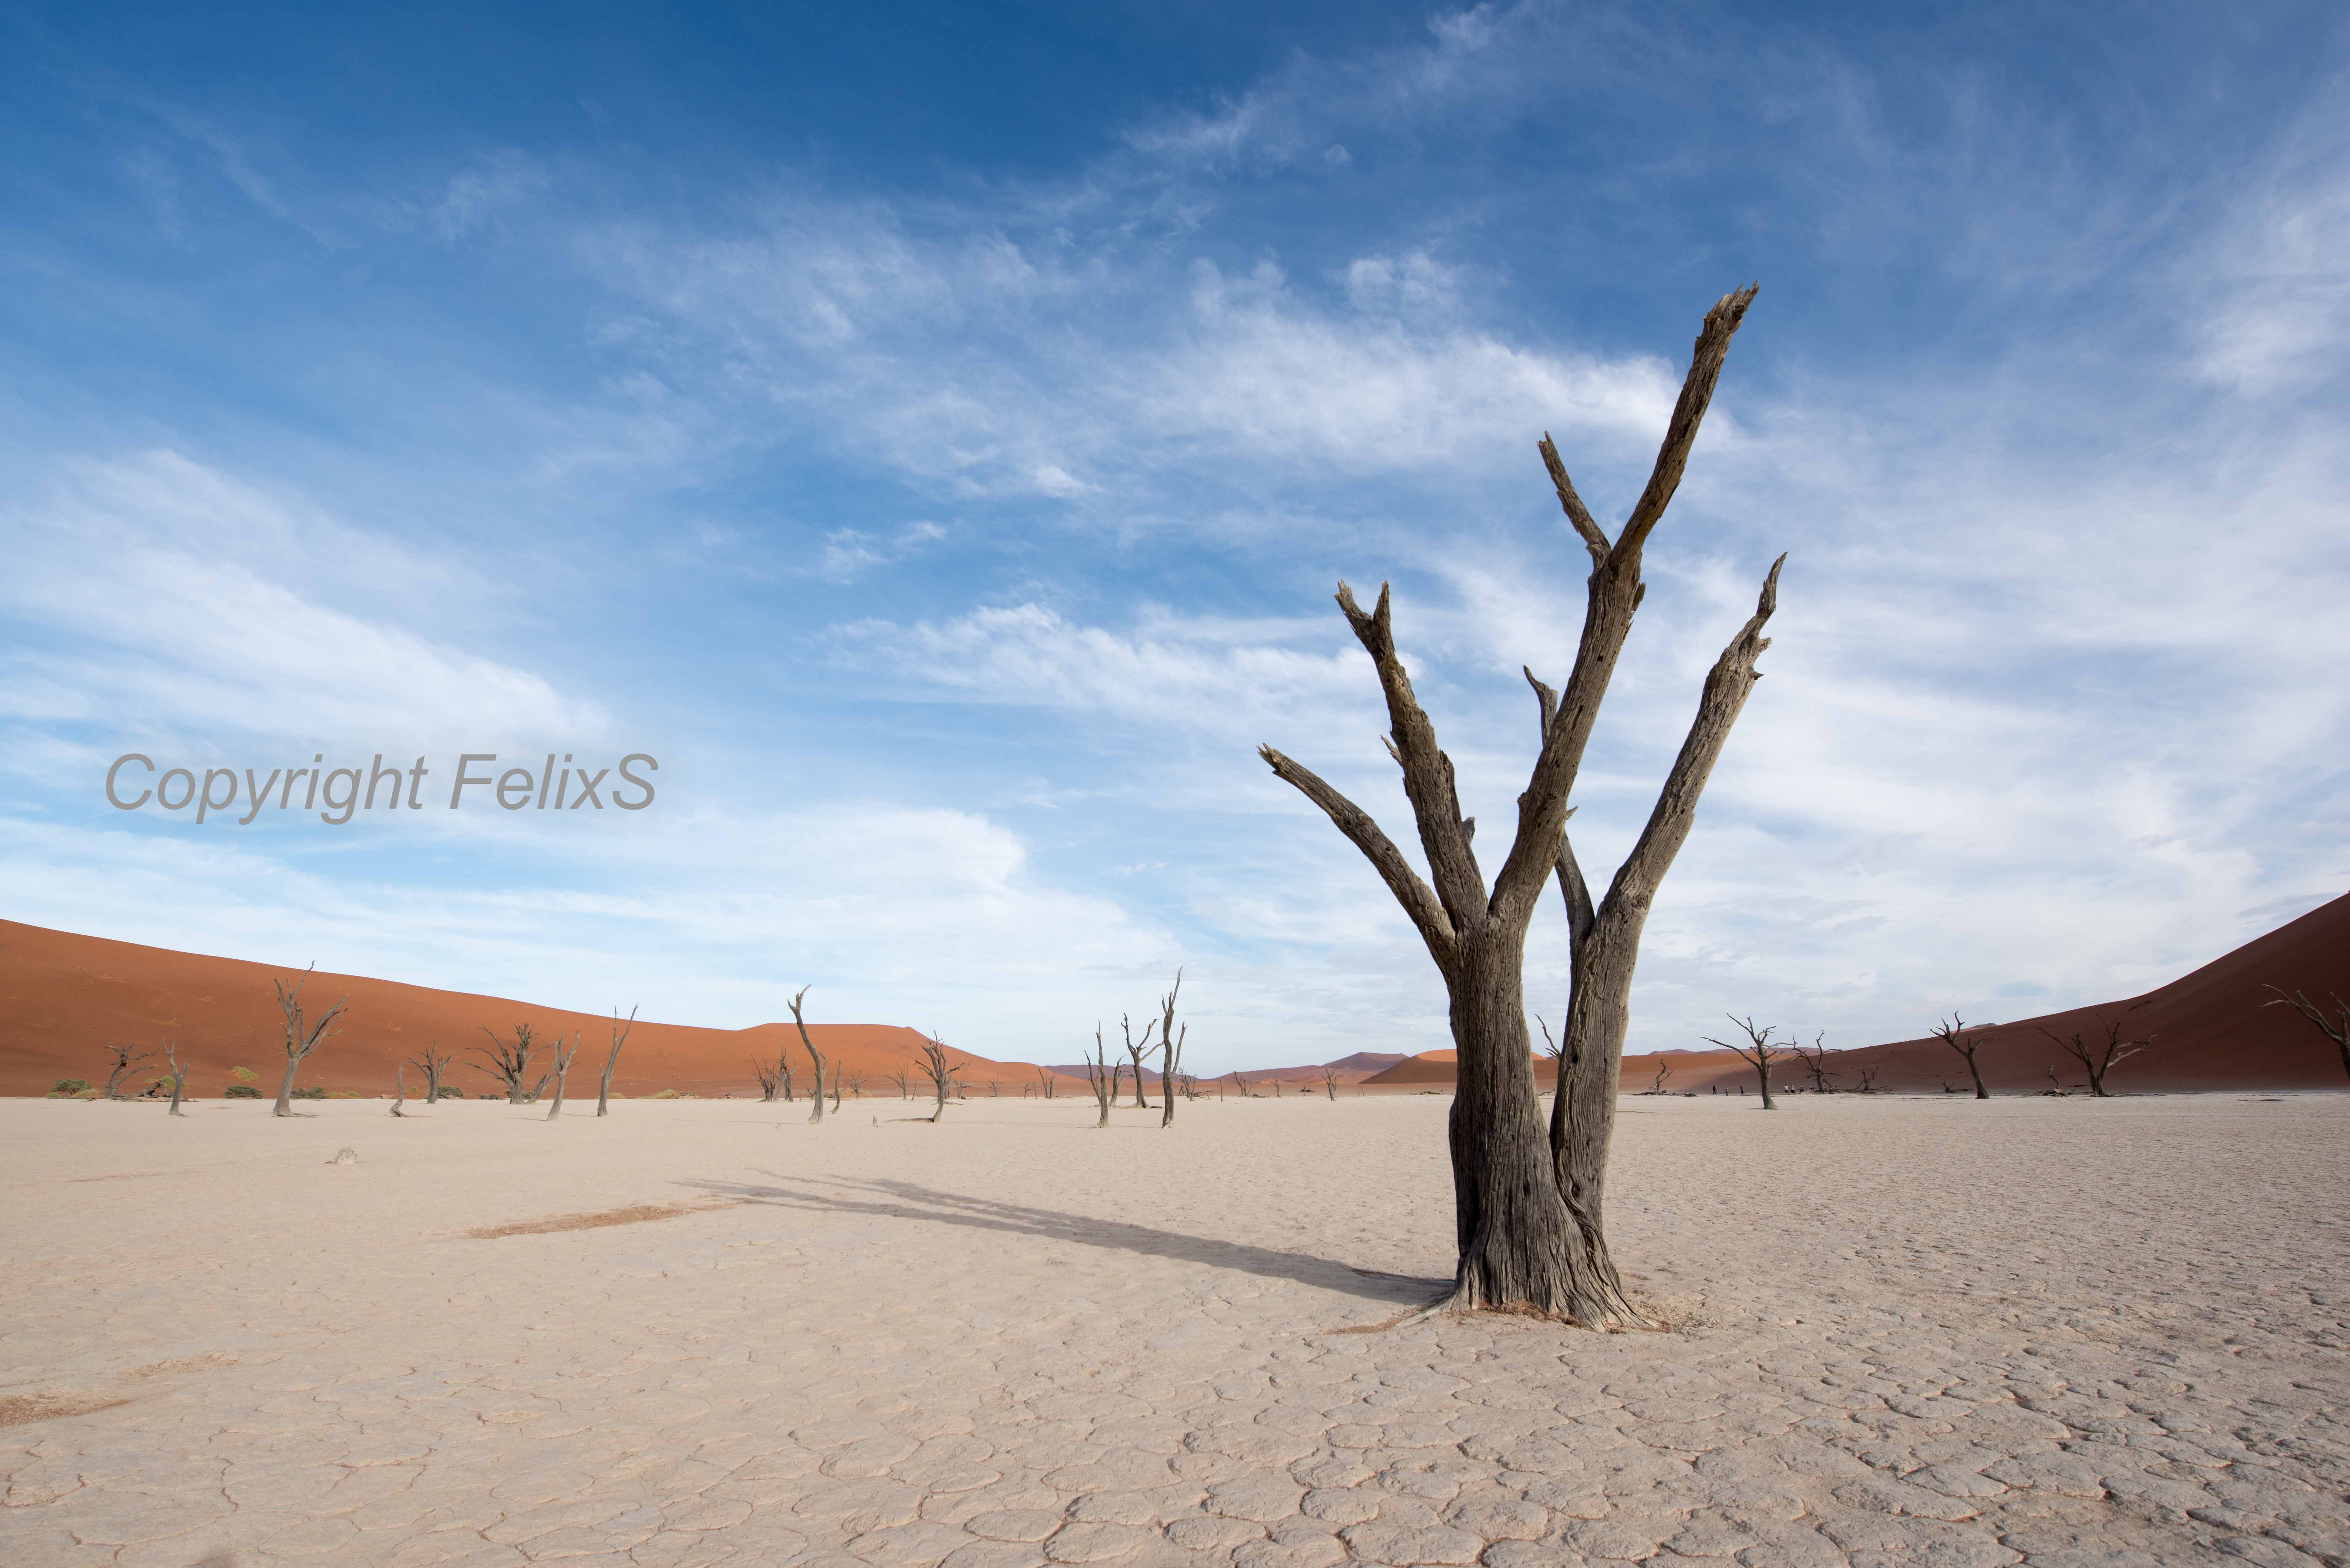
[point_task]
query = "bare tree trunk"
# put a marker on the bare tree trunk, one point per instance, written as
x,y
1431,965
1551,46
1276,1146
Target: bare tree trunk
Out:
x,y
1528,1200
1102,1074
2334,1027
562,1071
940,1071
123,1062
2100,1060
510,1064
302,1037
798,1020
619,1038
1953,1034
1330,1082
1171,1050
399,1098
1759,1051
179,1076
1134,1054
432,1064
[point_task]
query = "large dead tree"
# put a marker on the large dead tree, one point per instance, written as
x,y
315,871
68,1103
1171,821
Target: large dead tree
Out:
x,y
179,1076
1134,1052
123,1062
1815,1063
2099,1057
1329,1080
1759,1051
1953,1034
508,1062
619,1038
939,1070
816,1114
1171,1050
2334,1027
562,1071
1529,1207
302,1036
1102,1074
432,1062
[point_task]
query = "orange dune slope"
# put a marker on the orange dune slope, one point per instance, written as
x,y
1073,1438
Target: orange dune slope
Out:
x,y
64,997
2210,1030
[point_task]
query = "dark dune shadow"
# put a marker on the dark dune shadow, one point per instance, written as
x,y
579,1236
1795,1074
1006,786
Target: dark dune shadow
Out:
x,y
907,1201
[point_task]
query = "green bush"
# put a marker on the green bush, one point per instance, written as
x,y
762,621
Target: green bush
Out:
x,y
449,1092
70,1086
318,1094
242,1092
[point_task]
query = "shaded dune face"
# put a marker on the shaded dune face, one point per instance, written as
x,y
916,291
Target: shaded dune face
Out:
x,y
2210,1031
67,995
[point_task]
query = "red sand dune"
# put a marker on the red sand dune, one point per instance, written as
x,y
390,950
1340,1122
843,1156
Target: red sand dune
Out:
x,y
2209,1029
64,997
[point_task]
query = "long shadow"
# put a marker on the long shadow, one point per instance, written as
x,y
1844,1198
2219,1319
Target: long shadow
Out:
x,y
907,1201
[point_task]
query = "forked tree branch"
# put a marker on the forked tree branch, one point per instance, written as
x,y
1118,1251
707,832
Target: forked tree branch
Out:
x,y
1594,539
1573,890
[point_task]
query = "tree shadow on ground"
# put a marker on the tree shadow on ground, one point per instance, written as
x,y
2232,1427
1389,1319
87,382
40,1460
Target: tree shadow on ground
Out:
x,y
908,1200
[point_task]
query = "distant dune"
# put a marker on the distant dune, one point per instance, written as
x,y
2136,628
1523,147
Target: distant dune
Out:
x,y
63,997
2209,1032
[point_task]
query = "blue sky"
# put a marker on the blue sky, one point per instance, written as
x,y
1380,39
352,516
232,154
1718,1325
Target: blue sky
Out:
x,y
934,432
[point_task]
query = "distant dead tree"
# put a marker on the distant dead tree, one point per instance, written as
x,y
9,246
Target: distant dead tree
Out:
x,y
1044,1082
1529,1210
1134,1051
809,1046
2100,1057
1557,1056
509,1063
1241,1083
1867,1079
769,1080
1664,1071
1329,1080
302,1036
1758,1053
123,1062
1815,1062
1102,1074
2334,1027
432,1062
856,1086
1191,1080
612,1059
940,1071
905,1088
562,1071
1171,1050
400,1090
179,1076
1952,1032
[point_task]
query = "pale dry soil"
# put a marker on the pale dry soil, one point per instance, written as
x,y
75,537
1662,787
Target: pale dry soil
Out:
x,y
1925,1331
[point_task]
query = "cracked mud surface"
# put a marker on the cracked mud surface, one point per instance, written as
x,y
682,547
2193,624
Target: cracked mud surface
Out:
x,y
2059,1333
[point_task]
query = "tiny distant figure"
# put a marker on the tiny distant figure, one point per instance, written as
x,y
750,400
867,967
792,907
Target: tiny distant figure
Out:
x,y
1741,1088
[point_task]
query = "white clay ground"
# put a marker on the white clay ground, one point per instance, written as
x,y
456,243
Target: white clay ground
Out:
x,y
1910,1331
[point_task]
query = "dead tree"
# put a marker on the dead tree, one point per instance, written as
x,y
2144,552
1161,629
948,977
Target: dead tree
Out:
x,y
1044,1083
2335,1028
432,1064
1529,1210
1815,1063
769,1081
179,1076
2100,1057
809,1045
1757,1054
1102,1074
400,1090
612,1060
1330,1081
905,1089
1171,1050
856,1087
562,1071
1134,1053
1952,1032
940,1071
302,1036
509,1063
1664,1071
1867,1079
123,1062
1241,1084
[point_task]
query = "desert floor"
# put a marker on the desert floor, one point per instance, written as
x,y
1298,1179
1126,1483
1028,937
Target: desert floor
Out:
x,y
1908,1330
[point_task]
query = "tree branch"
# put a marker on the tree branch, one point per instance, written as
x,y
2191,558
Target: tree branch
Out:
x,y
1706,358
1572,889
1594,539
1427,771
1418,900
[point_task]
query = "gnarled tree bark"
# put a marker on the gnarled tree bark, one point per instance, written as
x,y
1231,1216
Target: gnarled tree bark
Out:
x,y
1527,1200
808,1045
